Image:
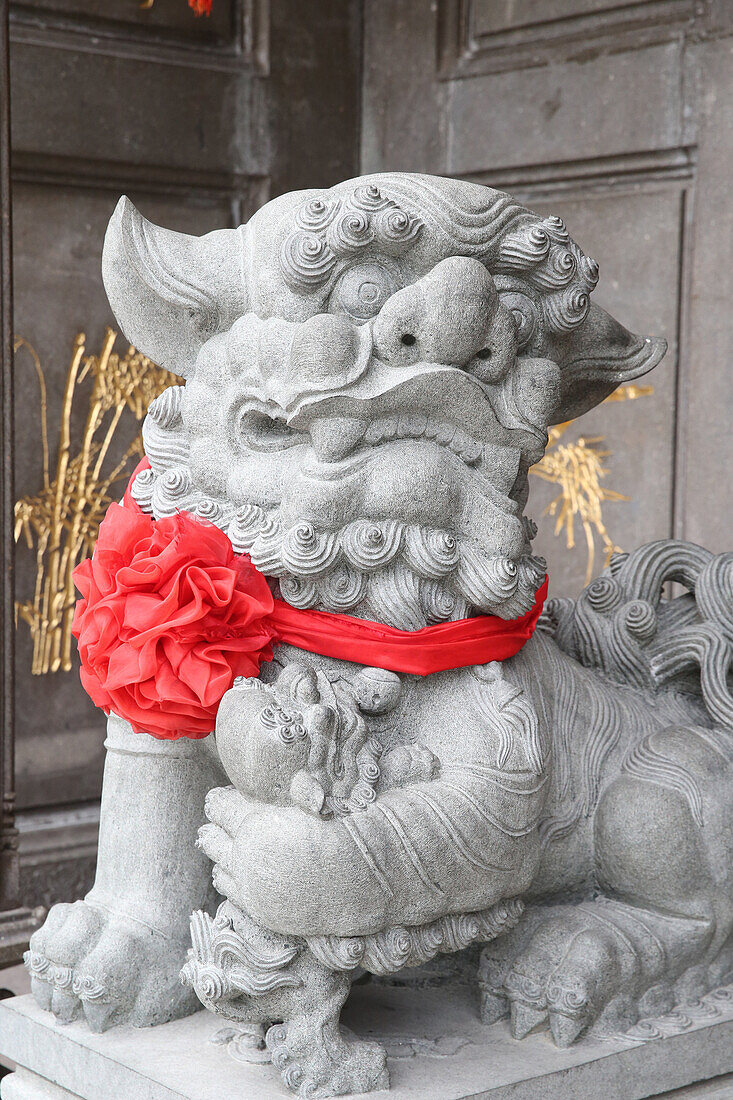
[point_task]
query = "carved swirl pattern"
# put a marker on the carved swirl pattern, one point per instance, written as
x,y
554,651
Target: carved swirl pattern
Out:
x,y
317,214
245,526
232,959
342,588
439,603
349,232
364,791
165,409
266,550
369,197
489,582
164,446
412,575
62,978
306,259
224,966
288,725
395,227
369,545
307,552
142,489
566,310
89,989
430,552
543,255
298,591
213,511
173,492
621,625
603,594
559,270
328,230
395,593
525,246
388,951
640,619
712,1006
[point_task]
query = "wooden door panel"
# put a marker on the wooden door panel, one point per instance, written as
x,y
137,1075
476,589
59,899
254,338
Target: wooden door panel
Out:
x,y
622,103
619,117
199,121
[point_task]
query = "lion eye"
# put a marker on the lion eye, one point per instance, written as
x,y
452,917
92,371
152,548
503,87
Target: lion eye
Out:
x,y
524,312
362,291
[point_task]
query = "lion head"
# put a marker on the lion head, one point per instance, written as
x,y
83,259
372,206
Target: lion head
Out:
x,y
371,371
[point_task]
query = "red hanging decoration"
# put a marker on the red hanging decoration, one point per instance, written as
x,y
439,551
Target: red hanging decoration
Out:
x,y
169,616
200,7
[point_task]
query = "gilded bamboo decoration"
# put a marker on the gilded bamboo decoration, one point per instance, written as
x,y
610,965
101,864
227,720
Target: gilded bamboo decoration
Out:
x,y
61,521
578,470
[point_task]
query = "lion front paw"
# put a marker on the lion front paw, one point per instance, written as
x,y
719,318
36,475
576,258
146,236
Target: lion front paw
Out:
x,y
109,968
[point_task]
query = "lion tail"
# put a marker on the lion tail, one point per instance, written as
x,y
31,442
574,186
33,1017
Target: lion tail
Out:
x,y
632,626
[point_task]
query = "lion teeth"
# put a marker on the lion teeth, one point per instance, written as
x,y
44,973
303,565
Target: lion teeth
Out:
x,y
412,425
444,433
465,447
390,428
420,426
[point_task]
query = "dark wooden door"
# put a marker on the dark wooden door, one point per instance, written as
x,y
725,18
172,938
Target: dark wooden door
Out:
x,y
199,121
616,116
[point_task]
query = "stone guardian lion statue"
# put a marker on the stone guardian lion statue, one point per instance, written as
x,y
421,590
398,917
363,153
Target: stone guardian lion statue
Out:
x,y
371,371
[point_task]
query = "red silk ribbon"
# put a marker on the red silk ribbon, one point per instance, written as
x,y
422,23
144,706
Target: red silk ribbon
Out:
x,y
474,641
170,615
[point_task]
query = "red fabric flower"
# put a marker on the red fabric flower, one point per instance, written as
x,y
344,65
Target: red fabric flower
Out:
x,y
200,7
169,616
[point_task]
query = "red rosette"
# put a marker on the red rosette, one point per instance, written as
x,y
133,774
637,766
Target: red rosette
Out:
x,y
169,617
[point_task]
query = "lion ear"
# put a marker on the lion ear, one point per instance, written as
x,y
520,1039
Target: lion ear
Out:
x,y
171,291
597,357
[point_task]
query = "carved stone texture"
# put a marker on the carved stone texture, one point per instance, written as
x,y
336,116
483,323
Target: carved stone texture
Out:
x,y
371,372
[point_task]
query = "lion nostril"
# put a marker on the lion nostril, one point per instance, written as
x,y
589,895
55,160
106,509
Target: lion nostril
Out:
x,y
407,339
485,353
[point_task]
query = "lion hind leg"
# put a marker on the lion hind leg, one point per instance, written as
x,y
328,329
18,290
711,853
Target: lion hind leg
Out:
x,y
660,932
600,963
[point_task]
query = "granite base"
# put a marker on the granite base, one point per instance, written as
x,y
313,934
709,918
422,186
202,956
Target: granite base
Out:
x,y
438,1050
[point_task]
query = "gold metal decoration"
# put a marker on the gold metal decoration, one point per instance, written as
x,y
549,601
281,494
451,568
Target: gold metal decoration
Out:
x,y
61,521
577,469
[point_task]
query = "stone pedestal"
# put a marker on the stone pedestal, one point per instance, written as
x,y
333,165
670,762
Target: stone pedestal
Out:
x,y
437,1049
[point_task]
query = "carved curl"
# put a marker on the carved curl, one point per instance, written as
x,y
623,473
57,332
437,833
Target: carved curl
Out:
x,y
621,625
329,230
